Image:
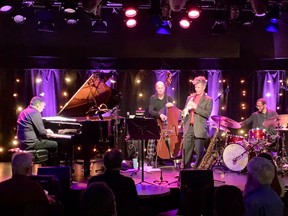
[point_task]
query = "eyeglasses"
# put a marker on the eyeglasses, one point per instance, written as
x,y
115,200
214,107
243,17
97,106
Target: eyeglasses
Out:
x,y
258,106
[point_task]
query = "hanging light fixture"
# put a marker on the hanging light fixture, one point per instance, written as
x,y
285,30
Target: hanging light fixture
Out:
x,y
6,6
130,8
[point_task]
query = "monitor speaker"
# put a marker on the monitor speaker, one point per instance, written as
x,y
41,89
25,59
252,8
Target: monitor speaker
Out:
x,y
196,189
62,173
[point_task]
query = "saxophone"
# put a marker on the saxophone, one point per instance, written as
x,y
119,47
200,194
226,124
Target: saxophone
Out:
x,y
208,158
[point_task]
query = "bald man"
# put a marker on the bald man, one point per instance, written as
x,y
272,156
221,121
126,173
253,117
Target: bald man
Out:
x,y
158,102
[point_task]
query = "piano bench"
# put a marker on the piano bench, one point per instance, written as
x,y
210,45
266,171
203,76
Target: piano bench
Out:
x,y
39,156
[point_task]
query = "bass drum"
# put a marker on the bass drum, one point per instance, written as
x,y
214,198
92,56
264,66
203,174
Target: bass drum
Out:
x,y
235,157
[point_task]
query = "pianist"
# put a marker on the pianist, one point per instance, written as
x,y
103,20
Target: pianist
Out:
x,y
31,132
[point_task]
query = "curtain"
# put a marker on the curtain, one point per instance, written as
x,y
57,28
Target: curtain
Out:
x,y
46,83
269,88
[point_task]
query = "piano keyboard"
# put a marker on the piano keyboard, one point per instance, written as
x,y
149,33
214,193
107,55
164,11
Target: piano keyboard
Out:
x,y
61,136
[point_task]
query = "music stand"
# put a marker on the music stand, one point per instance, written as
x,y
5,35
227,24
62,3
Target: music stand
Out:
x,y
143,129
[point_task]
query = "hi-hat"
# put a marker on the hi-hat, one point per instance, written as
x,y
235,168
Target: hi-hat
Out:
x,y
276,121
226,122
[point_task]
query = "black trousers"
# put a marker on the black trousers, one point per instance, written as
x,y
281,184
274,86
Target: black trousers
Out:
x,y
50,145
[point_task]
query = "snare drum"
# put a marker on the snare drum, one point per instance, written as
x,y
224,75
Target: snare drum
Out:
x,y
258,135
235,157
234,139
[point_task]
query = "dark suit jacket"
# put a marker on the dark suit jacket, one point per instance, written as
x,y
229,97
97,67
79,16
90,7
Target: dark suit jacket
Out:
x,y
202,114
124,190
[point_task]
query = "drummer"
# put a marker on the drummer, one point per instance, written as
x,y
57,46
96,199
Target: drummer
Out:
x,y
257,119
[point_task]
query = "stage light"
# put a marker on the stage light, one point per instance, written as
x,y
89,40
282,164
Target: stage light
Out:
x,y
273,16
71,21
164,27
273,12
130,8
131,23
70,6
130,12
193,13
259,7
185,23
19,19
6,6
272,26
193,9
71,18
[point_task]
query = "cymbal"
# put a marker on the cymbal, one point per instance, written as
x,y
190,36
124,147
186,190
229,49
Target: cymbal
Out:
x,y
215,125
276,121
226,122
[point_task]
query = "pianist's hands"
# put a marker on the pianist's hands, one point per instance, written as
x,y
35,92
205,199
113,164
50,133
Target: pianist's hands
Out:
x,y
49,132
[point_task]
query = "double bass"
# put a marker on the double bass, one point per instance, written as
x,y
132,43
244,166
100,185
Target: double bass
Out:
x,y
169,144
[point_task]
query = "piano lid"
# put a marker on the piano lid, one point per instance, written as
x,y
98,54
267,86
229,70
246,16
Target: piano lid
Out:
x,y
92,94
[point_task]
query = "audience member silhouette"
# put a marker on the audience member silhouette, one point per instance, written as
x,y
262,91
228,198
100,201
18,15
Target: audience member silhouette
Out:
x,y
228,201
98,199
259,198
277,184
20,195
122,186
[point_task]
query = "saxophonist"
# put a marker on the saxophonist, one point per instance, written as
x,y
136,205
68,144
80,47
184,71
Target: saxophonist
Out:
x,y
198,108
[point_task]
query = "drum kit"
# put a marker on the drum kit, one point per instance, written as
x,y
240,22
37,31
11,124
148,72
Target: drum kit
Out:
x,y
238,150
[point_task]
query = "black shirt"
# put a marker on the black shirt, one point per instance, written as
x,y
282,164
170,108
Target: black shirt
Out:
x,y
156,105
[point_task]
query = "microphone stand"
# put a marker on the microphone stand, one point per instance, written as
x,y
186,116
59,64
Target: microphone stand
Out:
x,y
219,160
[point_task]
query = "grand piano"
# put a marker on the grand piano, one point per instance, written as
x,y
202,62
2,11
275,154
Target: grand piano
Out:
x,y
89,119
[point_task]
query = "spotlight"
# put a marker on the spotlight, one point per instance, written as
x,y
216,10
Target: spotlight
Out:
x,y
272,26
193,9
19,19
6,6
193,13
130,8
273,13
130,12
131,23
259,7
71,21
70,6
164,27
99,26
70,17
185,23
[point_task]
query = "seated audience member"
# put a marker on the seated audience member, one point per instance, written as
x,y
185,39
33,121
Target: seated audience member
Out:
x,y
20,195
259,198
123,187
228,201
98,199
278,185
